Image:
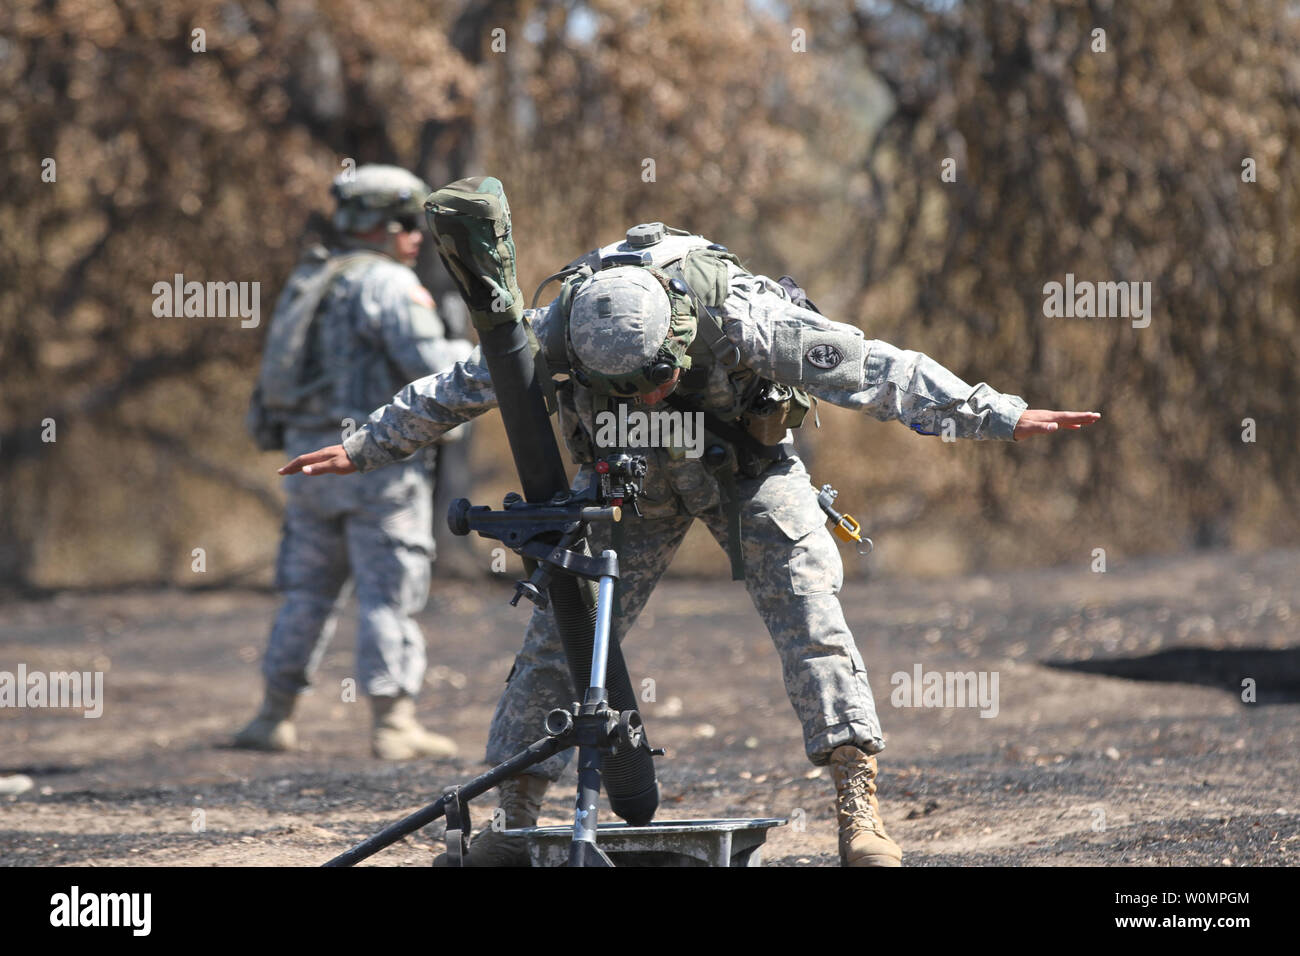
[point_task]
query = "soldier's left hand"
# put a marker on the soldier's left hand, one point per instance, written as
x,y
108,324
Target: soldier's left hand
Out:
x,y
332,460
1040,421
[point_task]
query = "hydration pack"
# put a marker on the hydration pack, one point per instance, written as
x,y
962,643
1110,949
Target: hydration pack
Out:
x,y
285,379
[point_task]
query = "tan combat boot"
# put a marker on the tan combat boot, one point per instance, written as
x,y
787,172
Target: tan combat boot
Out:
x,y
863,841
521,799
399,736
270,729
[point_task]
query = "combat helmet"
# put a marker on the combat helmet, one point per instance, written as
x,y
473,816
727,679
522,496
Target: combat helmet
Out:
x,y
629,328
375,194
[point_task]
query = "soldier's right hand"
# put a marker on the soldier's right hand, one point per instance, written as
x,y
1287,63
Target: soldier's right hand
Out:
x,y
323,461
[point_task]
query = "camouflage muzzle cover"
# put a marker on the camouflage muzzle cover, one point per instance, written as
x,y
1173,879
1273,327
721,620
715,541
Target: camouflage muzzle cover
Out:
x,y
470,221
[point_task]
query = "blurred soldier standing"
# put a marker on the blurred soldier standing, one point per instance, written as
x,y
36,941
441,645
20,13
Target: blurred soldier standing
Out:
x,y
670,317
353,325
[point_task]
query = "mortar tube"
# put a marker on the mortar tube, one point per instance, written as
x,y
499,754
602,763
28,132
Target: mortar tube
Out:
x,y
507,350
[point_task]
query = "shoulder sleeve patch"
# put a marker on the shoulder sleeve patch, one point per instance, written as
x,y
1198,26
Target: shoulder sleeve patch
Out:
x,y
803,354
420,296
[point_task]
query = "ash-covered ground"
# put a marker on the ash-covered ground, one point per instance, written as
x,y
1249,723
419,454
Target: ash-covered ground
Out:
x,y
1120,735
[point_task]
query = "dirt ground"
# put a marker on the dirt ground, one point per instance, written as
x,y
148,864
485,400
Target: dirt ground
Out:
x,y
1120,738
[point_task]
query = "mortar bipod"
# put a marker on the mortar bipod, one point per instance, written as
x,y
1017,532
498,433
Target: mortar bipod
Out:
x,y
591,726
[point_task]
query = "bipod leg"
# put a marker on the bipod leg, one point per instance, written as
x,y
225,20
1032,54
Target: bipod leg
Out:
x,y
583,850
593,734
535,754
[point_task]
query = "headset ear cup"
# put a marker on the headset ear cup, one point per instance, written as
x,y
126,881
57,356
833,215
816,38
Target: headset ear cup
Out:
x,y
661,373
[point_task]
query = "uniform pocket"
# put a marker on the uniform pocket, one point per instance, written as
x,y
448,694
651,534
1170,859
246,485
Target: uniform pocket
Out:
x,y
808,555
796,515
815,565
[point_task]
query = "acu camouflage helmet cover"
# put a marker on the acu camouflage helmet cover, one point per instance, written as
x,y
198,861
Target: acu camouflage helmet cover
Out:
x,y
629,328
375,194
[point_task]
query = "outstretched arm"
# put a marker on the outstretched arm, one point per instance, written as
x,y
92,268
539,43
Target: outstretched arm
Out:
x,y
836,363
418,415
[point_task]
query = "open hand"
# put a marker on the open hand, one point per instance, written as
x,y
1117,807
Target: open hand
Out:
x,y
323,461
1040,421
